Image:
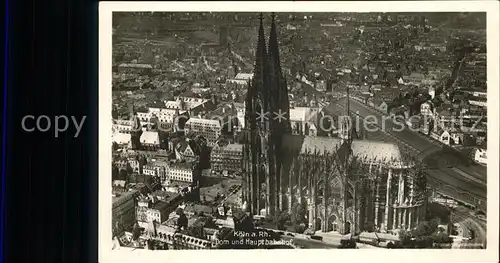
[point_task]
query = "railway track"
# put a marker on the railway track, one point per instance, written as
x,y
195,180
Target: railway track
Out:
x,y
460,188
469,223
461,194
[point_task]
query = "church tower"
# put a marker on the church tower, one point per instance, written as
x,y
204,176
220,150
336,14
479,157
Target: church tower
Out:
x,y
346,134
252,142
135,135
349,123
267,96
281,110
346,123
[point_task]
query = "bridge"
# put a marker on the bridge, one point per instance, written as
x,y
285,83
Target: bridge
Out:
x,y
451,174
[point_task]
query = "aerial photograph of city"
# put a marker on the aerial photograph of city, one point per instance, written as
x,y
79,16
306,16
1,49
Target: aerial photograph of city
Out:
x,y
332,130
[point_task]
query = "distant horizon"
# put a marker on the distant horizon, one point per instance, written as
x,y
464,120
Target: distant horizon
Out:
x,y
431,17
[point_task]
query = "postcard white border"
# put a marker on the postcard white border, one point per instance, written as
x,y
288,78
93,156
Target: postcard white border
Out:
x,y
105,50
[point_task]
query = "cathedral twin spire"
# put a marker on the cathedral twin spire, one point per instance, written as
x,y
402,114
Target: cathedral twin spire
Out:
x,y
266,101
268,86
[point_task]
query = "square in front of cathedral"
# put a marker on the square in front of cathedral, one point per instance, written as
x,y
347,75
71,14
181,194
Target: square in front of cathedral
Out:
x,y
262,128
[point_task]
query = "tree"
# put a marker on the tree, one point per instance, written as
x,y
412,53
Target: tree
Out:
x,y
424,235
436,210
426,228
300,229
442,238
405,237
281,219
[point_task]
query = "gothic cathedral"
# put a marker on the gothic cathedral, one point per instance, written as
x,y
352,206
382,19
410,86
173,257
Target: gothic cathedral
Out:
x,y
345,184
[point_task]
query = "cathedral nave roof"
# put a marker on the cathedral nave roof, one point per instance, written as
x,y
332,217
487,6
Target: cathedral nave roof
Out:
x,y
371,150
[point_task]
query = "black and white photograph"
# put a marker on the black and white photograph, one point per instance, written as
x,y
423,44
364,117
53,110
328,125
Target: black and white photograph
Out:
x,y
298,128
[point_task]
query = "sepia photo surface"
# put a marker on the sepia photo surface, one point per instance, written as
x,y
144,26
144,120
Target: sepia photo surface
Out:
x,y
265,128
